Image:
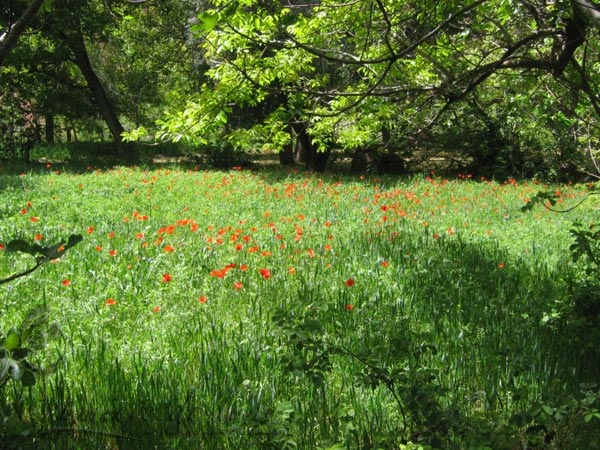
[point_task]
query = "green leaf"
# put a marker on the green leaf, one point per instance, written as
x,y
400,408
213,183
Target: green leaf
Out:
x,y
48,5
12,341
27,377
208,20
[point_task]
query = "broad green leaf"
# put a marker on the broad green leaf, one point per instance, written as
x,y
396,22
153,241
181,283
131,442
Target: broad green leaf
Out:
x,y
12,341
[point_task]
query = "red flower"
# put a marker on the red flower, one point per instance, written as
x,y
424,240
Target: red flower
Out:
x,y
90,230
169,249
349,307
112,252
23,211
111,235
501,265
385,263
166,278
350,282
265,273
110,301
202,299
156,309
238,285
66,282
38,237
34,219
219,273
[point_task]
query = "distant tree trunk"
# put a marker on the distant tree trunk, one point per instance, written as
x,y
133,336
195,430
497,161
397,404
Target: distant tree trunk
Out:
x,y
286,156
10,38
49,127
306,151
99,96
127,151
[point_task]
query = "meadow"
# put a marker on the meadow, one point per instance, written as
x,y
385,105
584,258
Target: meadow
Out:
x,y
287,310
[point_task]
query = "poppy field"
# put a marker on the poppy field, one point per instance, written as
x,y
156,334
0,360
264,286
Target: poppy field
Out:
x,y
287,310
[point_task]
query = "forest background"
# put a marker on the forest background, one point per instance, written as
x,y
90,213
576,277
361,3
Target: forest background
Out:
x,y
383,102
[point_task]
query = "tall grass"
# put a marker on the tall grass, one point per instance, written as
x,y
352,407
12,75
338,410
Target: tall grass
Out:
x,y
282,310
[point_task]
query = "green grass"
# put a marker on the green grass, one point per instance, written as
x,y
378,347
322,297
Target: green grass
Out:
x,y
457,319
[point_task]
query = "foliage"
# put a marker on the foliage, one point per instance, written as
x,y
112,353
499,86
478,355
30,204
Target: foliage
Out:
x,y
20,344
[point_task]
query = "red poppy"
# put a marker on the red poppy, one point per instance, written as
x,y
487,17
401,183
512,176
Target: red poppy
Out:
x,y
111,252
66,282
238,285
265,273
34,219
166,277
168,249
90,230
38,237
111,235
23,211
385,263
501,265
350,282
349,307
110,301
219,273
202,299
156,309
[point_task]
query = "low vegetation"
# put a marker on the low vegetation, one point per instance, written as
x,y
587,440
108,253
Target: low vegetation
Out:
x,y
278,309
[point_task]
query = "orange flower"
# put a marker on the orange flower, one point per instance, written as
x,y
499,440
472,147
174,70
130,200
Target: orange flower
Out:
x,y
38,237
139,236
169,249
99,248
202,299
265,273
166,277
349,307
34,219
110,301
384,263
238,285
219,273
156,309
111,235
350,282
501,265
291,270
66,282
112,253
23,211
90,230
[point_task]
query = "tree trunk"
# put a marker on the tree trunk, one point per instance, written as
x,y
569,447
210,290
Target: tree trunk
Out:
x,y
99,96
286,156
313,159
49,127
10,38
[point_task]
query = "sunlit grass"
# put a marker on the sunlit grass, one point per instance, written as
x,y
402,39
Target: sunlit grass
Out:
x,y
167,308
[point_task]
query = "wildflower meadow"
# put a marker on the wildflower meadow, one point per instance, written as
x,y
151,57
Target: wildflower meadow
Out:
x,y
288,310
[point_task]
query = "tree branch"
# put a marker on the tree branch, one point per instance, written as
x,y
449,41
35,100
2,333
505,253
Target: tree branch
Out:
x,y
9,40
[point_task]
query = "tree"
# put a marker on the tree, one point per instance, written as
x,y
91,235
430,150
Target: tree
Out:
x,y
357,71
